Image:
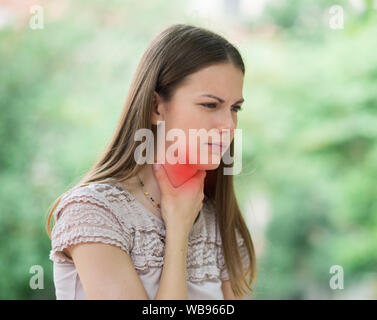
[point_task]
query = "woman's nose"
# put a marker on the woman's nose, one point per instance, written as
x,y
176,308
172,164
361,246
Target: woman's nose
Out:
x,y
227,124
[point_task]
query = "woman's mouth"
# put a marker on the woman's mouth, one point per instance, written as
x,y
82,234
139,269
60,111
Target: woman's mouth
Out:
x,y
218,147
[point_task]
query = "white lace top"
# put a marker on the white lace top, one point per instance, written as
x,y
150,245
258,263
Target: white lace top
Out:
x,y
108,213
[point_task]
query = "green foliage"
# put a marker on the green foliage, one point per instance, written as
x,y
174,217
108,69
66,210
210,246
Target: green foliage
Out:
x,y
311,117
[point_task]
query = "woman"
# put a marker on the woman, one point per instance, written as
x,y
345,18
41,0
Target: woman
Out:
x,y
131,230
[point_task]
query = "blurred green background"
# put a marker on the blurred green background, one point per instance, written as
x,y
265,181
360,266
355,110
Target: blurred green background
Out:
x,y
308,184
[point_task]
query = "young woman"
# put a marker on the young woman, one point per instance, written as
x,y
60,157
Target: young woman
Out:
x,y
171,231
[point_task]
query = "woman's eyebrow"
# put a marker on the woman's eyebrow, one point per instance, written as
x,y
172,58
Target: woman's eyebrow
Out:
x,y
219,99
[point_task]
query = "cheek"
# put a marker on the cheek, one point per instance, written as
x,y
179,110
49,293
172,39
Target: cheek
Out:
x,y
191,118
188,116
185,121
182,118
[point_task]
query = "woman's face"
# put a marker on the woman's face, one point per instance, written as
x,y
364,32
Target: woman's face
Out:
x,y
209,99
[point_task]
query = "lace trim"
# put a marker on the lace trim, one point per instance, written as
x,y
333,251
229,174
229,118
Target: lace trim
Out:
x,y
81,219
59,256
109,214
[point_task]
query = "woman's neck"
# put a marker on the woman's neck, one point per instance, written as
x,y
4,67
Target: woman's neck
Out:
x,y
178,174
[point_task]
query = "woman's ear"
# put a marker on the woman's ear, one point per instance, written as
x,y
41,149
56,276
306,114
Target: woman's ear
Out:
x,y
157,108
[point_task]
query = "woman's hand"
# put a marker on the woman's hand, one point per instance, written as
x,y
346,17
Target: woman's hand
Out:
x,y
180,206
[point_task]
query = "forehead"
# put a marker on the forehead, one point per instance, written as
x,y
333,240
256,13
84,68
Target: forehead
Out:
x,y
224,80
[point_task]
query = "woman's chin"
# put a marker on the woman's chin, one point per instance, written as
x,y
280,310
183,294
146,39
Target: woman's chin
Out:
x,y
210,163
208,166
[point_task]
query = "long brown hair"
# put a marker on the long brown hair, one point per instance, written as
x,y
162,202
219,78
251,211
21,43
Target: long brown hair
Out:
x,y
173,54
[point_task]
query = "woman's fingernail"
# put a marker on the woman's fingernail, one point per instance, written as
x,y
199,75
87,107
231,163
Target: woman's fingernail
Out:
x,y
156,166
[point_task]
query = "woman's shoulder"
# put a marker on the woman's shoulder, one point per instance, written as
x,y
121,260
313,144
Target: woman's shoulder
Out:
x,y
108,200
91,213
106,194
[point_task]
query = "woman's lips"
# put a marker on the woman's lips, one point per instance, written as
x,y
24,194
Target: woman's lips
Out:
x,y
216,146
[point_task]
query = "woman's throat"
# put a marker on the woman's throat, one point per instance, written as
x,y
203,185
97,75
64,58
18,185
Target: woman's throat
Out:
x,y
178,174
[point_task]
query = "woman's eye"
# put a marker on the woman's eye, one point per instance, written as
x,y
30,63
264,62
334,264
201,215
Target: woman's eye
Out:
x,y
237,108
213,105
209,105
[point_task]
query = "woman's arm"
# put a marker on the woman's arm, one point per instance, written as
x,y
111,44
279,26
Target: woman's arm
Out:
x,y
107,272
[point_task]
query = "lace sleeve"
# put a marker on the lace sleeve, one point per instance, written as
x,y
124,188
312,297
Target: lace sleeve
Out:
x,y
244,257
81,216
